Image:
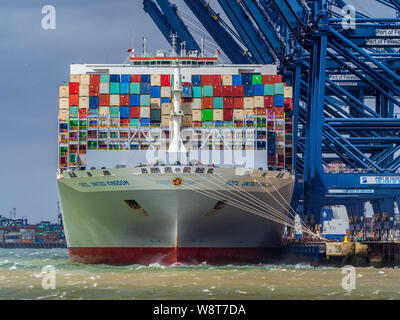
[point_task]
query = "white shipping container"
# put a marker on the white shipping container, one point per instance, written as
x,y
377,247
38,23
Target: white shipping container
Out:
x,y
227,80
259,102
155,80
196,115
104,88
144,112
165,92
64,91
85,79
196,104
114,100
166,108
249,113
248,103
218,115
238,114
84,102
165,120
187,108
104,111
74,78
288,93
187,119
155,103
63,103
84,90
63,114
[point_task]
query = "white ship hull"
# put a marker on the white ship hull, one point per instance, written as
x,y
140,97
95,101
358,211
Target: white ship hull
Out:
x,y
173,216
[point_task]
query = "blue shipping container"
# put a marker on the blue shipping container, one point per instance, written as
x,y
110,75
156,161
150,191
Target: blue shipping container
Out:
x,y
125,87
114,78
258,89
248,90
261,144
247,79
155,92
124,112
125,78
145,78
145,121
187,92
279,100
237,80
145,88
196,80
134,100
94,102
165,100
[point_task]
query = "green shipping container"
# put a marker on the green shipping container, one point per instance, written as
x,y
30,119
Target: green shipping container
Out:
x,y
104,78
82,136
82,124
145,100
256,79
279,88
134,122
261,122
268,90
92,145
134,88
196,92
73,124
218,103
72,158
73,111
207,114
63,150
114,87
114,112
207,91
228,123
155,115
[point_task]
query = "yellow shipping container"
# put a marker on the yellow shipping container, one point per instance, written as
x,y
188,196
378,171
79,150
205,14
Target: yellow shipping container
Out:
x,y
248,103
84,102
155,103
85,79
227,80
64,103
84,90
155,80
218,115
166,108
74,78
238,114
288,93
63,91
196,115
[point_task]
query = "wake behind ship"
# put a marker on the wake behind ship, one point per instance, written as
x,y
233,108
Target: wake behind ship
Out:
x,y
174,159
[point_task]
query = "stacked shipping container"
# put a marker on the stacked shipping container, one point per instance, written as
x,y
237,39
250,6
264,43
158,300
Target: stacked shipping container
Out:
x,y
101,111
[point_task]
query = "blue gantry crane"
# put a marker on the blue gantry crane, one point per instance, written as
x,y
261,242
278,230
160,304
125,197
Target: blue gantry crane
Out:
x,y
345,73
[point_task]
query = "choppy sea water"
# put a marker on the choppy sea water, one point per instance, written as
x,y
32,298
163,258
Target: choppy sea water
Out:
x,y
21,277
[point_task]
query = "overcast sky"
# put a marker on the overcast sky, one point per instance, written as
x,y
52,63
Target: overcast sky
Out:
x,y
35,62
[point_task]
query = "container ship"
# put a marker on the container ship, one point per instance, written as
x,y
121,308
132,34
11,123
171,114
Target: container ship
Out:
x,y
154,153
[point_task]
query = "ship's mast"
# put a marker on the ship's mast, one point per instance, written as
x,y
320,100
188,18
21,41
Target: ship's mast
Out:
x,y
176,143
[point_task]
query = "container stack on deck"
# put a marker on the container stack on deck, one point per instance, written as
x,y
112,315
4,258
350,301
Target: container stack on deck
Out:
x,y
121,111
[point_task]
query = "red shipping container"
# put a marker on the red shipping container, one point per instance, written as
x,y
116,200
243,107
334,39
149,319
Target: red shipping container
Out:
x,y
94,79
124,122
261,111
216,80
93,90
165,80
74,99
228,114
206,80
270,113
104,100
288,103
136,78
124,100
228,103
197,123
238,103
135,112
73,87
279,112
187,100
207,103
268,101
217,91
238,91
186,84
82,113
227,91
270,79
